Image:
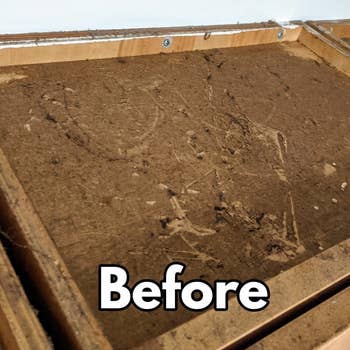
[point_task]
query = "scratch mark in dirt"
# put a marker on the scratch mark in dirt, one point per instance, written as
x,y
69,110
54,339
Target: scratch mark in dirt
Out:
x,y
182,225
8,77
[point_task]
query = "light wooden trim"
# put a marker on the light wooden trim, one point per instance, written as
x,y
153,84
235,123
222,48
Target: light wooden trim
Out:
x,y
332,34
289,291
76,49
333,53
19,327
41,260
340,28
321,327
340,342
334,21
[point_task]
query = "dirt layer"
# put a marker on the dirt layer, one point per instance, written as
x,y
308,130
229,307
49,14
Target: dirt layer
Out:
x,y
235,162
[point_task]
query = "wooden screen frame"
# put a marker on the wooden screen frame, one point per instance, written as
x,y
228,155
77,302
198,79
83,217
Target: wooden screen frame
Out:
x,y
47,269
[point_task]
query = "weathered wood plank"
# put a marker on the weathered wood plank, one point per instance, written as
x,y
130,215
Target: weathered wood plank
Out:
x,y
19,326
319,327
83,48
289,290
49,274
336,55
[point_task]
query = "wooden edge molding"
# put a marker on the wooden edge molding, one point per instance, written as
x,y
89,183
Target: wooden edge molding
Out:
x,y
334,21
134,31
340,28
333,53
75,48
332,34
42,262
289,290
19,326
340,341
320,326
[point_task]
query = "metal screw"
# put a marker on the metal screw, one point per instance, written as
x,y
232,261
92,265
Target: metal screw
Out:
x,y
166,43
207,35
280,34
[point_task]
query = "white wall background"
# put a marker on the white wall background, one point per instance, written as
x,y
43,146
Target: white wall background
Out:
x,y
19,16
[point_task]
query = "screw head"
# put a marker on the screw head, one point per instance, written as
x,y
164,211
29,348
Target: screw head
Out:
x,y
166,42
207,35
280,34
